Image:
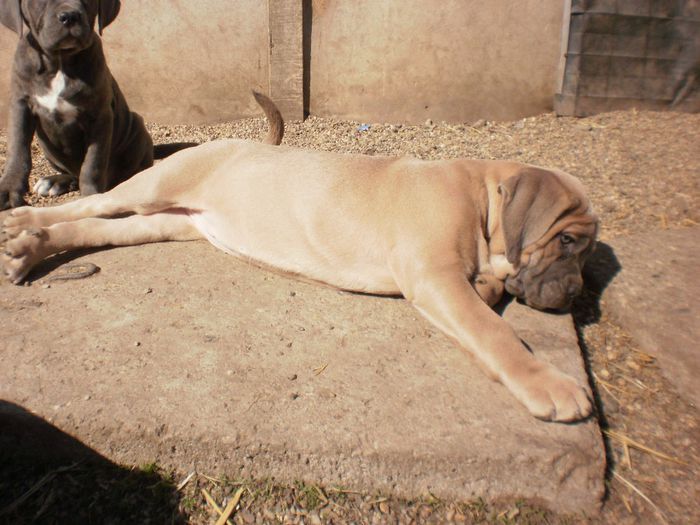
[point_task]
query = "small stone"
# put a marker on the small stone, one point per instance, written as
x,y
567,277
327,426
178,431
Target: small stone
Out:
x,y
425,512
292,294
148,290
86,398
429,122
384,507
631,363
46,286
293,395
293,377
604,373
137,343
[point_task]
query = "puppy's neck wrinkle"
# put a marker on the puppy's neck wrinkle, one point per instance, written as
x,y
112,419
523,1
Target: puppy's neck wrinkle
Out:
x,y
44,59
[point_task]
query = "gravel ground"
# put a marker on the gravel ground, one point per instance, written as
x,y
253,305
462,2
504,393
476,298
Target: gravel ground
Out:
x,y
642,171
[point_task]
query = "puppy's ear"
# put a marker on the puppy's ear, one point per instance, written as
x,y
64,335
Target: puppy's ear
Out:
x,y
106,13
532,201
11,15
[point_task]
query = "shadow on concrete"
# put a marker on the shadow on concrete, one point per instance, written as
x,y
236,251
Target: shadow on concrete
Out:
x,y
47,476
598,273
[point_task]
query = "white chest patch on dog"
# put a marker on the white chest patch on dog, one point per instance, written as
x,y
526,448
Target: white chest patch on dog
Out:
x,y
52,100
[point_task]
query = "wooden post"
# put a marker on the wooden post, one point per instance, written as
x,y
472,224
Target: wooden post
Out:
x,y
286,57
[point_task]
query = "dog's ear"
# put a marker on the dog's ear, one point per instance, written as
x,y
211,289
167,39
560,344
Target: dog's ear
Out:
x,y
11,15
106,13
532,201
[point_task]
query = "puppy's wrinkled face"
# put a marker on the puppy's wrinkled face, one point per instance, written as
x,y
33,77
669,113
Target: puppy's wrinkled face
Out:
x,y
551,277
61,26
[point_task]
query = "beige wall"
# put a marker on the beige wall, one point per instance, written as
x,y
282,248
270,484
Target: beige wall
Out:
x,y
453,60
178,61
183,61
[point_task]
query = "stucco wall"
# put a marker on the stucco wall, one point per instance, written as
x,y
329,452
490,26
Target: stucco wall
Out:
x,y
452,60
391,60
183,61
179,61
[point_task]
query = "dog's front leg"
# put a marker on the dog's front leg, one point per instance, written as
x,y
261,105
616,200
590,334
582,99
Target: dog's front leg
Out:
x,y
444,296
93,172
14,181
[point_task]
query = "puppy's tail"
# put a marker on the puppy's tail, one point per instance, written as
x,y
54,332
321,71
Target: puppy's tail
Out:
x,y
274,119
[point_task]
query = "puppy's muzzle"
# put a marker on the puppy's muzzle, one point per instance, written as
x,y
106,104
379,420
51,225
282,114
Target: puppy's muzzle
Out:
x,y
69,18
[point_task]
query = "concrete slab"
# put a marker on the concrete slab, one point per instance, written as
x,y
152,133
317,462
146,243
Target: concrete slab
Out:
x,y
655,295
181,354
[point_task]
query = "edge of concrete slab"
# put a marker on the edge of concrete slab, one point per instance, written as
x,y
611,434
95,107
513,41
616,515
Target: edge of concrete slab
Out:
x,y
648,285
230,369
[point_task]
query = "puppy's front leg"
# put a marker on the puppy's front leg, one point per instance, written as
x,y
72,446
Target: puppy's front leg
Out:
x,y
443,295
93,172
14,181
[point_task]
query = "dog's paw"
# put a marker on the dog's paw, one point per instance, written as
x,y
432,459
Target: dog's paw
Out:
x,y
55,185
552,395
18,220
22,253
11,199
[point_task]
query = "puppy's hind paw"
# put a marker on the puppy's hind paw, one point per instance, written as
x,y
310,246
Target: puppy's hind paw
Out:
x,y
17,221
55,185
21,254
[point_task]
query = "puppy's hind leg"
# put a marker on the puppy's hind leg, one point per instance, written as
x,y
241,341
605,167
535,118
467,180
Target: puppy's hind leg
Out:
x,y
147,192
33,245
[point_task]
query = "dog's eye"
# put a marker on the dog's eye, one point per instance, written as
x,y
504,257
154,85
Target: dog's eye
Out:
x,y
565,238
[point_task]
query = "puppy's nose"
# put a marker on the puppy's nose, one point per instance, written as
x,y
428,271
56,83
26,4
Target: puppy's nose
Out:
x,y
69,18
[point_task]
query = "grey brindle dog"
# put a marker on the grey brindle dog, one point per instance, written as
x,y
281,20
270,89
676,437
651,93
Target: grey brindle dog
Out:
x,y
63,91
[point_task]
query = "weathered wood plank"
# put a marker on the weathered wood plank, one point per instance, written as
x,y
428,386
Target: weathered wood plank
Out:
x,y
286,57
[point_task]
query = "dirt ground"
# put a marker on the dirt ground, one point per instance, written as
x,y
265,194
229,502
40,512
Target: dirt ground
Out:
x,y
642,171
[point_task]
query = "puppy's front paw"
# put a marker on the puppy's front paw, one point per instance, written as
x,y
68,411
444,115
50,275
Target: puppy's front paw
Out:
x,y
22,253
552,395
11,199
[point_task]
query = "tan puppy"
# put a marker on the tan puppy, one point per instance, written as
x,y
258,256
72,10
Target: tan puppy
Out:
x,y
448,235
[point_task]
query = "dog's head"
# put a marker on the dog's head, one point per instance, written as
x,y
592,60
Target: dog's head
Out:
x,y
59,26
549,231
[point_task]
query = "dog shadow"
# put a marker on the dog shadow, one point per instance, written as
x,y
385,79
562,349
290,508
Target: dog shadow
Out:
x,y
600,270
59,265
47,476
